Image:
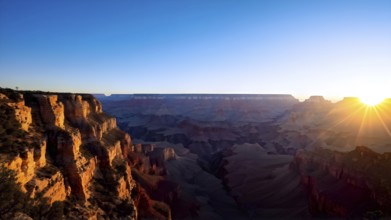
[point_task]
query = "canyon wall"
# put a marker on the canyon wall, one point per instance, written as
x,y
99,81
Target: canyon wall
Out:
x,y
351,184
63,148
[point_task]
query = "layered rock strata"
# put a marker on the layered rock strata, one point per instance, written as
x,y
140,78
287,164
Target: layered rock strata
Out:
x,y
69,151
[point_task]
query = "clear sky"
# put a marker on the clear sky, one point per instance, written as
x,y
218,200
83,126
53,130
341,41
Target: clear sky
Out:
x,y
314,47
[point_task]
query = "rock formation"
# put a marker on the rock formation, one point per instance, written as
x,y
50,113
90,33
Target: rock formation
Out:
x,y
64,149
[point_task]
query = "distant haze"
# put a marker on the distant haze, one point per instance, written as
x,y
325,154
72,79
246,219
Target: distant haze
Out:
x,y
333,48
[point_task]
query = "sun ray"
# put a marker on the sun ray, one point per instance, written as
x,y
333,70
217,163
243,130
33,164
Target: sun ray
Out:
x,y
347,117
336,124
383,123
363,121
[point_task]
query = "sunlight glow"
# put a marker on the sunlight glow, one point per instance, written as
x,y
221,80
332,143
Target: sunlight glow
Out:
x,y
371,100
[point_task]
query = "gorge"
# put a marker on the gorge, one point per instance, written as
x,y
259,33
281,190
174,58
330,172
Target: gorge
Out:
x,y
192,156
252,147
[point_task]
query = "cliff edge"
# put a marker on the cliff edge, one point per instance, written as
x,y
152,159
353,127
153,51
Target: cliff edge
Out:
x,y
64,151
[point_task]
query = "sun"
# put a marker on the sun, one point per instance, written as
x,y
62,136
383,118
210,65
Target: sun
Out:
x,y
371,100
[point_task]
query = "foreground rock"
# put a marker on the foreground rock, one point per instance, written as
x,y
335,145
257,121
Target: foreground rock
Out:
x,y
62,149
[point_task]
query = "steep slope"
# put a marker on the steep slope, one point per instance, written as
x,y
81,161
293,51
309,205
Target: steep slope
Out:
x,y
62,149
353,184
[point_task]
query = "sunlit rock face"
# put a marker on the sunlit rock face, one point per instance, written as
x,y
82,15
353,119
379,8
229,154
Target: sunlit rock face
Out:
x,y
48,184
25,164
52,111
76,109
68,150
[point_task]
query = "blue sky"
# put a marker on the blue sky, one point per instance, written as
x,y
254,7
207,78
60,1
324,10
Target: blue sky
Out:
x,y
317,47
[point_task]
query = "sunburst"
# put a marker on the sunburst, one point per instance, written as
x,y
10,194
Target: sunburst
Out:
x,y
371,100
369,114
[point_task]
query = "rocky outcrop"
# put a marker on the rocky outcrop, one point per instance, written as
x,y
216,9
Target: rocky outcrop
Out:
x,y
22,114
48,184
168,154
76,109
80,155
27,162
158,157
52,111
316,99
21,111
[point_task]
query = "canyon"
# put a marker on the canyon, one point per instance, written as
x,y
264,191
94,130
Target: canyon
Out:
x,y
249,149
192,156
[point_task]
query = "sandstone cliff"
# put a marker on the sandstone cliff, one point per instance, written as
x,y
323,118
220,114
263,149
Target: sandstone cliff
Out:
x,y
63,149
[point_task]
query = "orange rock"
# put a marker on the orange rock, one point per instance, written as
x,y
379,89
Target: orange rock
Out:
x,y
52,111
25,166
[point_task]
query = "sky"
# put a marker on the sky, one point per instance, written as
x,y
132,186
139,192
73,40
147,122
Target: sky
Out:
x,y
333,48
